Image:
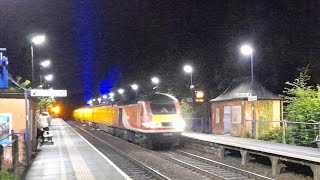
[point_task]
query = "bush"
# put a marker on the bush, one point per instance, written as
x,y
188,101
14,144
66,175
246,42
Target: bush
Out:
x,y
6,175
274,135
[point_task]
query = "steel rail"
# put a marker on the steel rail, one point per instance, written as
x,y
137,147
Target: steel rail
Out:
x,y
150,170
224,166
223,171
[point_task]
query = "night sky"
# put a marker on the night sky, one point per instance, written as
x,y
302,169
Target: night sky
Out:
x,y
98,45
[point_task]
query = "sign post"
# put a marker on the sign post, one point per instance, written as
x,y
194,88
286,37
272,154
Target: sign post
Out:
x,y
252,99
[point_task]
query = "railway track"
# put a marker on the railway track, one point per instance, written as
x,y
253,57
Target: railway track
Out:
x,y
134,169
203,166
210,168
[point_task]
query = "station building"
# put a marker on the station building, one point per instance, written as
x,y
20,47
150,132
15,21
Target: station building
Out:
x,y
13,115
232,111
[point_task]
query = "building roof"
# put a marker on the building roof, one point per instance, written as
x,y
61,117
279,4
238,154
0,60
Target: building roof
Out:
x,y
241,88
15,95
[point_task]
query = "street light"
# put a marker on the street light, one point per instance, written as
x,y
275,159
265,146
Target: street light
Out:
x,y
36,40
120,91
48,77
156,81
247,50
135,87
45,63
188,69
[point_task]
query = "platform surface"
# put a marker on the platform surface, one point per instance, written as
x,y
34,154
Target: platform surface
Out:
x,y
71,157
299,152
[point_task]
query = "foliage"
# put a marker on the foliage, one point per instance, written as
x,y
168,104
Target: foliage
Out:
x,y
187,110
6,175
264,111
303,105
45,103
302,135
19,86
303,101
275,135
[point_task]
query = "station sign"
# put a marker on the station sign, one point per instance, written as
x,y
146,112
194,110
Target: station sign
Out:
x,y
252,98
199,96
242,95
48,93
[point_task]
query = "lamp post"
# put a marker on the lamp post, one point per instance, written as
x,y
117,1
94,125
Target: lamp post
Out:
x,y
111,96
120,91
135,87
47,78
156,81
43,64
247,50
36,40
188,69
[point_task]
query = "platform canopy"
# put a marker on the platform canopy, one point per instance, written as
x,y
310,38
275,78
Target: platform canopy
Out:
x,y
242,88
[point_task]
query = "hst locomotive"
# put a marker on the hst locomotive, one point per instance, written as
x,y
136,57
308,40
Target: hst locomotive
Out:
x,y
150,120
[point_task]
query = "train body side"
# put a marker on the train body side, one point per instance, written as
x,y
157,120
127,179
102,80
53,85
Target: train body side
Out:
x,y
160,121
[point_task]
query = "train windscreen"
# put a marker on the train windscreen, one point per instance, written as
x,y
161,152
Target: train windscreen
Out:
x,y
163,108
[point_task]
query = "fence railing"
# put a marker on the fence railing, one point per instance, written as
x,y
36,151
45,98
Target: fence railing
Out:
x,y
9,153
288,132
198,125
281,131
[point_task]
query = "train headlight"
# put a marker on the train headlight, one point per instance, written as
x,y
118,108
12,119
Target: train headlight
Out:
x,y
150,124
179,125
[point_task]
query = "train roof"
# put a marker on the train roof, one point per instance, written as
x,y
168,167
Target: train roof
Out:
x,y
158,97
155,98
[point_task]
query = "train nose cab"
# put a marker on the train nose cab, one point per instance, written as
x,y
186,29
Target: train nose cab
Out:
x,y
162,118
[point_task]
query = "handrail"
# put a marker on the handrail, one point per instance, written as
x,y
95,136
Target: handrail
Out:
x,y
11,134
284,121
5,137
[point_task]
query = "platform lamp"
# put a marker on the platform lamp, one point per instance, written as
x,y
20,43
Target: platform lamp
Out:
x,y
35,40
43,64
247,50
156,81
135,88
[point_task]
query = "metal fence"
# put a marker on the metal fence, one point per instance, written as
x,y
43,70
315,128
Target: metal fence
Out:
x,y
288,132
9,154
198,125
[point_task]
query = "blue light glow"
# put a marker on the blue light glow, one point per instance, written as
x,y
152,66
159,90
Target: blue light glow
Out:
x,y
85,31
109,82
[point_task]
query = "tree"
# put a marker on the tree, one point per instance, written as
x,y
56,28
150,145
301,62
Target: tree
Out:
x,y
45,103
19,87
303,105
303,101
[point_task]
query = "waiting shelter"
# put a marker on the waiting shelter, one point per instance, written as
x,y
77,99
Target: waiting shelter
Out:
x,y
232,113
13,111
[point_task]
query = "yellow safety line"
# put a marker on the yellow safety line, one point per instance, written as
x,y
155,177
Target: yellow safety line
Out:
x,y
80,167
62,165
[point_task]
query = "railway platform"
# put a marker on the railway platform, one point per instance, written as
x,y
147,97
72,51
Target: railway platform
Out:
x,y
71,157
276,152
